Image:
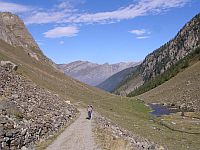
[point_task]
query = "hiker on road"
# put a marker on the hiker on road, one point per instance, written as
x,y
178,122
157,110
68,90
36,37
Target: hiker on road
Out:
x,y
89,110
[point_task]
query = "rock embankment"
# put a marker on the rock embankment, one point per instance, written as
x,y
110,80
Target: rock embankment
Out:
x,y
28,113
134,141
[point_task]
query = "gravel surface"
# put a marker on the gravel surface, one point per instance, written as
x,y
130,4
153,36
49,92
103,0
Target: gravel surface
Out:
x,y
78,136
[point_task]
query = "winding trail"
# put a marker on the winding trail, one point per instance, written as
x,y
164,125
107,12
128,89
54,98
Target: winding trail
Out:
x,y
78,136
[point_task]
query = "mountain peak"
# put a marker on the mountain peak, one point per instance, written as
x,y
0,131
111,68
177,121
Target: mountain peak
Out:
x,y
14,32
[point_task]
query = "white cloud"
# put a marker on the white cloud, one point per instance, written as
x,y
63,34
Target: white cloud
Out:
x,y
63,5
13,7
61,42
44,17
141,8
142,37
139,32
62,32
54,15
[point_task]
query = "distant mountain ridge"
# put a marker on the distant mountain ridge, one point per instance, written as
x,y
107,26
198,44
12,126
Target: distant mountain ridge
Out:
x,y
92,73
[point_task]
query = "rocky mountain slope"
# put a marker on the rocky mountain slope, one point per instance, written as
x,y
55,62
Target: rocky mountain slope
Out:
x,y
160,60
91,73
29,113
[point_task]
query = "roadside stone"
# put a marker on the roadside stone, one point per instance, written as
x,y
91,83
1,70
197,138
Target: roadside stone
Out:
x,y
2,131
15,96
3,145
4,112
6,139
3,120
161,148
23,132
24,148
9,65
9,134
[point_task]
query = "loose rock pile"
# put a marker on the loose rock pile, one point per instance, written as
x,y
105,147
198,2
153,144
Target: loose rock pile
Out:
x,y
135,141
28,113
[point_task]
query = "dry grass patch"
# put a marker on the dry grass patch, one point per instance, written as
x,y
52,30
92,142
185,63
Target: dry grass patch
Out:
x,y
110,142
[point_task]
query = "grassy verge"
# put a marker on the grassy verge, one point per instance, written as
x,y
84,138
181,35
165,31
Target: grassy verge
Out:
x,y
189,124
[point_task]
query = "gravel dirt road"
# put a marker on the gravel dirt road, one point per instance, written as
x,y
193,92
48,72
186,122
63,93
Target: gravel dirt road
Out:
x,y
78,136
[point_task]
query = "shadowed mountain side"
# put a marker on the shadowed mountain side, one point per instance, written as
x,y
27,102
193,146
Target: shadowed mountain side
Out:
x,y
113,82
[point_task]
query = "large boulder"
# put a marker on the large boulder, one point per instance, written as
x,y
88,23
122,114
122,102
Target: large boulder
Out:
x,y
9,65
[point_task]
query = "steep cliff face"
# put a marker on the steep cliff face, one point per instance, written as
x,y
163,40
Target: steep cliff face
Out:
x,y
187,39
14,32
91,73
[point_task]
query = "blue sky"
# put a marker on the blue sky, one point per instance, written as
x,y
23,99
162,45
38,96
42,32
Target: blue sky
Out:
x,y
102,30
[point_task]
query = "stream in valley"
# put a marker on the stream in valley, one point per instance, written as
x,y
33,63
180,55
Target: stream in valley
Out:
x,y
159,110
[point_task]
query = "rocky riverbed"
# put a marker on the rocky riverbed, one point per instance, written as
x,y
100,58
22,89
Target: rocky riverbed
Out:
x,y
28,113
